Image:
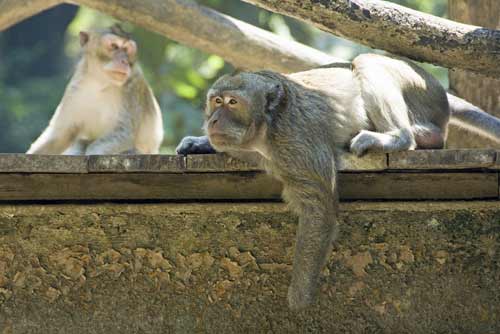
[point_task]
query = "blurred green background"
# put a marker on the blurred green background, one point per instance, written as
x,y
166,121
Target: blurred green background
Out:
x,y
38,54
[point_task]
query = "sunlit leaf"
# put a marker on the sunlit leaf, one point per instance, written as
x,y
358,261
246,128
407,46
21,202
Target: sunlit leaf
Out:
x,y
186,91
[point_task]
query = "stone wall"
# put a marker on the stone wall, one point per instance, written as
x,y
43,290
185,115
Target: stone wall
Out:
x,y
419,267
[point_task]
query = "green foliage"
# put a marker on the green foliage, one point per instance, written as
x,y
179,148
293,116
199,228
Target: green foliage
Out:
x,y
179,75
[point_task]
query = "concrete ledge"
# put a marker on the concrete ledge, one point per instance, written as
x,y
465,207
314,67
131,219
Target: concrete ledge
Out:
x,y
397,267
415,175
410,160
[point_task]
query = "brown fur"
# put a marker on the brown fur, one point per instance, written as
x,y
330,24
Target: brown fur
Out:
x,y
101,113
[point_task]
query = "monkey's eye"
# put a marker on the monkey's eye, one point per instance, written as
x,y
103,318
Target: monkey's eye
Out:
x,y
114,47
218,100
233,101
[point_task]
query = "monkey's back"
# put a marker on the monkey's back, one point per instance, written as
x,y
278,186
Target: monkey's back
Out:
x,y
346,116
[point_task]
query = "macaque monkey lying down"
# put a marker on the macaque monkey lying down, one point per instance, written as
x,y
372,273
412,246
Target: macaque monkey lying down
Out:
x,y
299,122
108,107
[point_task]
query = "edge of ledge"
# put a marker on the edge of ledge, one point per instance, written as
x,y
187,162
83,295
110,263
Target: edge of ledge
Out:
x,y
220,162
31,163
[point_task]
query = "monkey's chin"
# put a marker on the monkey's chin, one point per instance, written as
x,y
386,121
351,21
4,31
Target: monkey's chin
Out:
x,y
222,142
118,78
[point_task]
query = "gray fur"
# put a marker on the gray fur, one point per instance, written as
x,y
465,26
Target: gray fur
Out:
x,y
468,116
300,121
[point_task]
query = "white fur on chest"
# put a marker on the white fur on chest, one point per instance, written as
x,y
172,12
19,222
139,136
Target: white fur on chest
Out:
x,y
95,109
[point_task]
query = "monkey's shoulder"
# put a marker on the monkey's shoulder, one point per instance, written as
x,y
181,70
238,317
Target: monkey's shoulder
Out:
x,y
337,83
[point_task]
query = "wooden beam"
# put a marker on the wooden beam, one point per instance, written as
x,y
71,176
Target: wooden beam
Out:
x,y
242,44
411,33
497,161
442,159
219,162
419,186
369,162
224,163
220,177
14,11
139,186
407,32
136,163
27,163
246,186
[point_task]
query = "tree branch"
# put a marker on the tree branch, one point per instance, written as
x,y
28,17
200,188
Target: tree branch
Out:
x,y
240,43
14,11
399,30
406,32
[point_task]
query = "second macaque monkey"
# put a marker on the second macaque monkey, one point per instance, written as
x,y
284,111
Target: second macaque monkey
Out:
x,y
108,107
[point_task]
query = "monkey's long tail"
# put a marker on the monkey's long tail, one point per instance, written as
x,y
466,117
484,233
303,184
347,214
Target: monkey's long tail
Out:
x,y
468,116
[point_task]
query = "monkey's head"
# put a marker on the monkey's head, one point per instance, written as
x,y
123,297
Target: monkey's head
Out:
x,y
240,108
111,52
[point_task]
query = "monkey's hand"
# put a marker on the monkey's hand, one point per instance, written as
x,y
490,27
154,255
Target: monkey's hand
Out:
x,y
194,145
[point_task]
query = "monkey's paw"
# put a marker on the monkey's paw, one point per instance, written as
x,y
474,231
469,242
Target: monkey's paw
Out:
x,y
299,298
194,145
363,142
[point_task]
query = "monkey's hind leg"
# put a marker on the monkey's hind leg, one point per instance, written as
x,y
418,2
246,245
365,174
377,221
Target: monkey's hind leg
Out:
x,y
388,111
392,141
429,136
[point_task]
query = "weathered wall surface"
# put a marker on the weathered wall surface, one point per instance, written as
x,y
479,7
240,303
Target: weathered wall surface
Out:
x,y
224,268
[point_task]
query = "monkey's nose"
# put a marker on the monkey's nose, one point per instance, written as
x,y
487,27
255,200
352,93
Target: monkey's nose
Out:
x,y
125,62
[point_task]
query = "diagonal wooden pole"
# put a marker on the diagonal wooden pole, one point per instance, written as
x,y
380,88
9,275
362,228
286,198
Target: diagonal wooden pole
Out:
x,y
376,23
399,30
14,11
241,44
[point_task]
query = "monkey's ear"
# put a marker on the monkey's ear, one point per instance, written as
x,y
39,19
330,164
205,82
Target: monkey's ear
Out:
x,y
276,97
84,38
